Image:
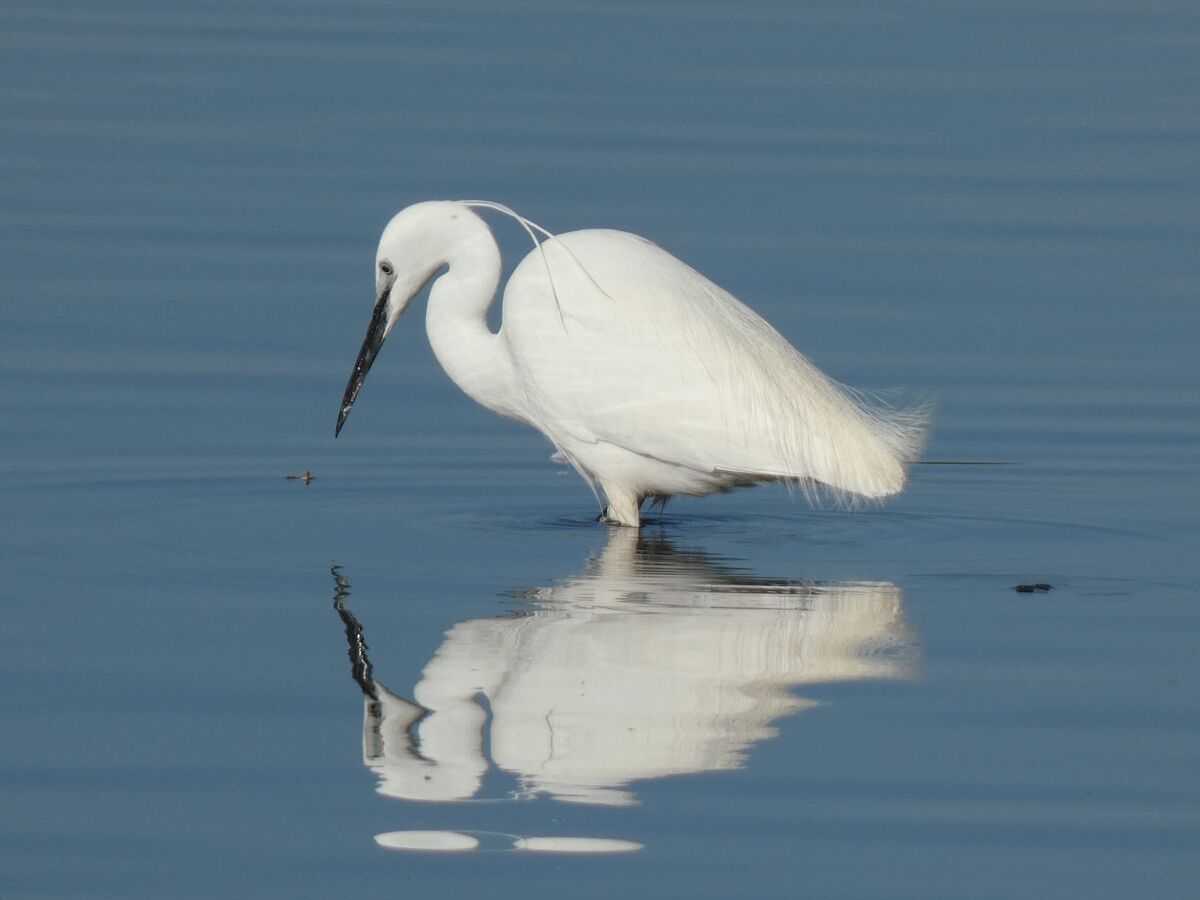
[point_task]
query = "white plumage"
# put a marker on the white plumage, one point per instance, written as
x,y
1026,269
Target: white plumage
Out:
x,y
650,379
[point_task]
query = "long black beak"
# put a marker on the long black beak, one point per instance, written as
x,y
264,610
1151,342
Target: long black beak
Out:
x,y
366,355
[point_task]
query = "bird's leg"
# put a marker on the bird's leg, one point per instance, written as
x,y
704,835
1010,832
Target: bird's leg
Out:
x,y
622,506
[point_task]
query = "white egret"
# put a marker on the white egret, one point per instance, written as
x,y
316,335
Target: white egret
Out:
x,y
649,379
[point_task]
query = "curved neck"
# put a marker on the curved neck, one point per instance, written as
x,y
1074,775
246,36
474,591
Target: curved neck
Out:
x,y
475,358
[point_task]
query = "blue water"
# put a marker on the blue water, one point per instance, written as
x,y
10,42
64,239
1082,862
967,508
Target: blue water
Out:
x,y
222,682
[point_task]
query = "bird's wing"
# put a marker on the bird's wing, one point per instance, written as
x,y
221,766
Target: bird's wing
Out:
x,y
616,340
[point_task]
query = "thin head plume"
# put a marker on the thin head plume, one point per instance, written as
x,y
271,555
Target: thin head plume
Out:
x,y
529,225
533,229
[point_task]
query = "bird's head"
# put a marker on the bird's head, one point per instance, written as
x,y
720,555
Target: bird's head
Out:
x,y
414,247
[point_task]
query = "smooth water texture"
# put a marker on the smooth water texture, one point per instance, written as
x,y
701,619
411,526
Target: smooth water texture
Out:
x,y
428,670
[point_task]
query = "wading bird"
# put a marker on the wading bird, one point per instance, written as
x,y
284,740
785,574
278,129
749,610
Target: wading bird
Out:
x,y
649,379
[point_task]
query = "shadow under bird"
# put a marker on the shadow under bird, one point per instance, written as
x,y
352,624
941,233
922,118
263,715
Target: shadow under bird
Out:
x,y
648,378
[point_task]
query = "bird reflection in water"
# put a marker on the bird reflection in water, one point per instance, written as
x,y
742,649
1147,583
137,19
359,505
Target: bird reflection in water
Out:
x,y
652,662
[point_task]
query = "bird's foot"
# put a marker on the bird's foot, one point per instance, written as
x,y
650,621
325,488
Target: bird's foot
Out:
x,y
609,517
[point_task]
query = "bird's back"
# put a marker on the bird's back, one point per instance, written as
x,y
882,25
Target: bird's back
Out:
x,y
617,341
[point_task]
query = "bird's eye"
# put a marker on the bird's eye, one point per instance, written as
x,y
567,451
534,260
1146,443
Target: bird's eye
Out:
x,y
385,267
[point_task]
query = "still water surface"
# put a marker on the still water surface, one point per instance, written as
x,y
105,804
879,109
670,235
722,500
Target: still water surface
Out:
x,y
221,682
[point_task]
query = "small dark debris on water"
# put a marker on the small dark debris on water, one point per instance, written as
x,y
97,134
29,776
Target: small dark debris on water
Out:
x,y
306,477
1032,588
